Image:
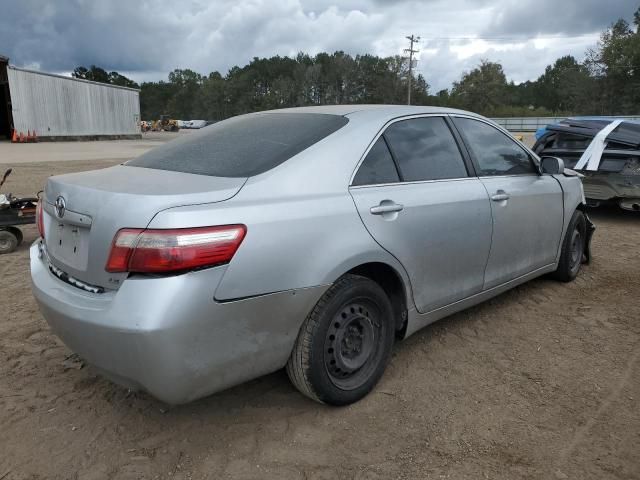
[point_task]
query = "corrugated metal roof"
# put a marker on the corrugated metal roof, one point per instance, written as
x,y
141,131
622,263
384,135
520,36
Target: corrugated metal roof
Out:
x,y
38,72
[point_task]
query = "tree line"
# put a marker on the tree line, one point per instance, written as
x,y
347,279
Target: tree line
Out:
x,y
606,82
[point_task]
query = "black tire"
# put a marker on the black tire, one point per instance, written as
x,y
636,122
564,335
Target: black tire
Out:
x,y
8,242
573,249
356,315
18,233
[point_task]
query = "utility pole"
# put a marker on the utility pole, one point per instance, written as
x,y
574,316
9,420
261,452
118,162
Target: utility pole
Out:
x,y
412,39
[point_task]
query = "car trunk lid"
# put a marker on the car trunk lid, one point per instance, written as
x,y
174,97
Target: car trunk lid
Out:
x,y
83,211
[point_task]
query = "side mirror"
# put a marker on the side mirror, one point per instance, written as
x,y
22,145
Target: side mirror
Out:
x,y
552,165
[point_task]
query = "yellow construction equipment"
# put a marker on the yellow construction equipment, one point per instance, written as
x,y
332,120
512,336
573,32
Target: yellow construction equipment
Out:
x,y
165,124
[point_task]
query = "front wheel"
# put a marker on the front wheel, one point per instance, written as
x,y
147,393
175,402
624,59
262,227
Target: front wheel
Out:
x,y
573,248
344,344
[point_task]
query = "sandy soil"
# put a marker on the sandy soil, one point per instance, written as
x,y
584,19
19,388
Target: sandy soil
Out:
x,y
541,382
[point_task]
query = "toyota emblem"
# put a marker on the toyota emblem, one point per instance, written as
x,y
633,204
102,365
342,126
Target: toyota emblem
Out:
x,y
60,206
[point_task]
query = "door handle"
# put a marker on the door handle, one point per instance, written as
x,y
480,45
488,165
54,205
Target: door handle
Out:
x,y
500,196
386,208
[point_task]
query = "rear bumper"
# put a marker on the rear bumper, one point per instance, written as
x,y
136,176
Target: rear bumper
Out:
x,y
168,335
599,186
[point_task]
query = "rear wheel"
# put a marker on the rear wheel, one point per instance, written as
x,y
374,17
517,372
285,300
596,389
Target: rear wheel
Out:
x,y
344,344
8,241
18,234
573,250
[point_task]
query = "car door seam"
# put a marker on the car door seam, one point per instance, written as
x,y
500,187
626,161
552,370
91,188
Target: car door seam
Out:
x,y
564,217
486,263
364,224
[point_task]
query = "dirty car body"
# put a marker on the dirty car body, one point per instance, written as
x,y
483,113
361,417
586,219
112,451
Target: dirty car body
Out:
x,y
616,180
293,200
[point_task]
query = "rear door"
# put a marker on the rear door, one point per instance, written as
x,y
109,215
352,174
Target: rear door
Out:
x,y
415,196
527,208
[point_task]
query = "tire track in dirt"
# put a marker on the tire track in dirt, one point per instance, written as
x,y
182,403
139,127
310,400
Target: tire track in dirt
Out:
x,y
606,405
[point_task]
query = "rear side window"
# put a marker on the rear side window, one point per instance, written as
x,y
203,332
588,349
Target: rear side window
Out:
x,y
242,146
495,153
377,167
425,149
571,141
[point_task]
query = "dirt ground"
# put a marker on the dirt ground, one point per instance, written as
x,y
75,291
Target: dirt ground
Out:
x,y
14,155
541,382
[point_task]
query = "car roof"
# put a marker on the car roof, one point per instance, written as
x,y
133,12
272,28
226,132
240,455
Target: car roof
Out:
x,y
627,133
389,111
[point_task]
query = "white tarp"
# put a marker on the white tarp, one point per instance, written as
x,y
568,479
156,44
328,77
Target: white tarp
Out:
x,y
590,159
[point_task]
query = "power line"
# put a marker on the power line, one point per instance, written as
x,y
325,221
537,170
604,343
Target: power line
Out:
x,y
412,39
515,37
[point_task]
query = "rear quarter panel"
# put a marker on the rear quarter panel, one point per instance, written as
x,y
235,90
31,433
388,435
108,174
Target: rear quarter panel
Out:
x,y
303,229
290,243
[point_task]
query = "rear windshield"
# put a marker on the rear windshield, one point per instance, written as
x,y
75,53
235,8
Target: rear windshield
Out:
x,y
242,146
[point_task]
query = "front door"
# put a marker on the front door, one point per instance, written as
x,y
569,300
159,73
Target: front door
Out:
x,y
418,202
526,207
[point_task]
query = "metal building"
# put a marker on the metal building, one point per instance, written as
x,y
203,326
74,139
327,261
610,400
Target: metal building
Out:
x,y
64,108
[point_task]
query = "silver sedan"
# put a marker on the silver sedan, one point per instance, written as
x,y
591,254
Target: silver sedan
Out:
x,y
307,238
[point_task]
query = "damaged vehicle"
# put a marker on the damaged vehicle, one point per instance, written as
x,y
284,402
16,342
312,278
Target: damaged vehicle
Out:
x,y
306,238
605,151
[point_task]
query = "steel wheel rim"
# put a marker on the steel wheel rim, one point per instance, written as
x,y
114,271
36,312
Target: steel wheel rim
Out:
x,y
352,344
4,244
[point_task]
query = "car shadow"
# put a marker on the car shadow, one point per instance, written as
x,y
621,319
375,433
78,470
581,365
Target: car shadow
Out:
x,y
612,212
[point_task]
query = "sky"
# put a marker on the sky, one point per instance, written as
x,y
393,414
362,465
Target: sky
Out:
x,y
145,40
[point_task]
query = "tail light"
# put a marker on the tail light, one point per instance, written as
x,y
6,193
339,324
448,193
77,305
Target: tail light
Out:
x,y
40,218
161,251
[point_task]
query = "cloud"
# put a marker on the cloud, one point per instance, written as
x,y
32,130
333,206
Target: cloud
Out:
x,y
146,39
62,35
517,18
522,61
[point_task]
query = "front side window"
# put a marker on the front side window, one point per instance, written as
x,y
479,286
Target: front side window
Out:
x,y
425,149
495,152
377,167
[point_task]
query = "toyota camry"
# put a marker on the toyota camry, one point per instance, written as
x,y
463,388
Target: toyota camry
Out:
x,y
306,238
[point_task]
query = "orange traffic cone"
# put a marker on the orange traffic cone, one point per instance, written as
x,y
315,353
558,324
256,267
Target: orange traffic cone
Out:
x,y
28,136
14,136
35,137
22,138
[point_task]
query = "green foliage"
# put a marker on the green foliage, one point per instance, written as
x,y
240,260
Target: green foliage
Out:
x,y
279,82
97,74
481,90
615,66
608,82
564,86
